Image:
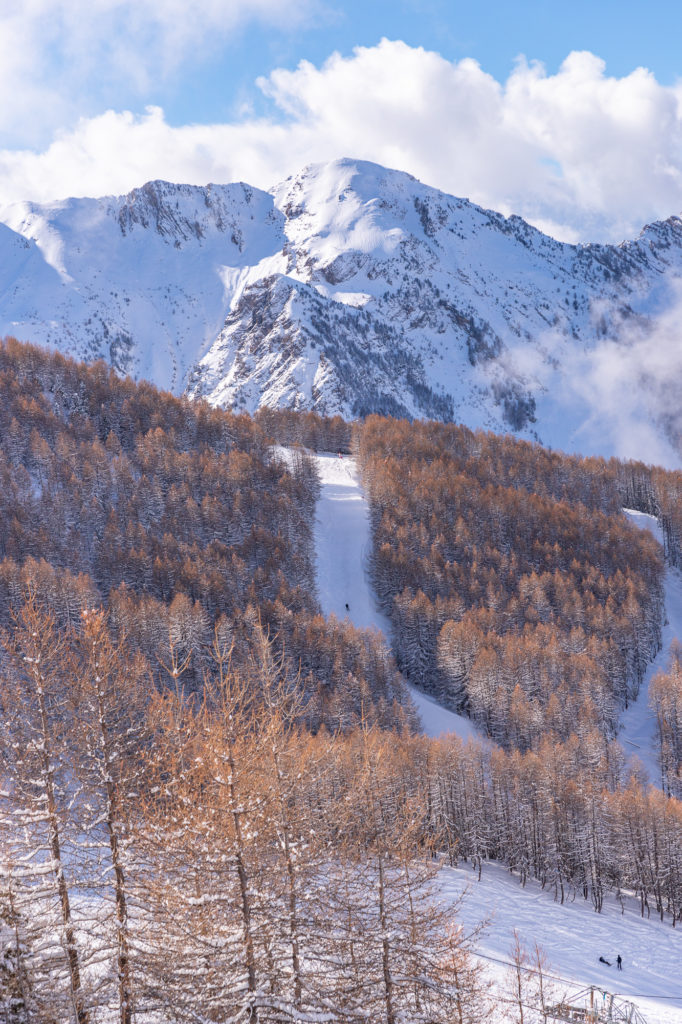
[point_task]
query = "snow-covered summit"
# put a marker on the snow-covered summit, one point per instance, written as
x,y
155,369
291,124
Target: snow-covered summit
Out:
x,y
347,288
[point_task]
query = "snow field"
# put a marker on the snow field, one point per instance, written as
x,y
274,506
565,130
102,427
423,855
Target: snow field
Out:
x,y
572,935
638,723
342,543
573,938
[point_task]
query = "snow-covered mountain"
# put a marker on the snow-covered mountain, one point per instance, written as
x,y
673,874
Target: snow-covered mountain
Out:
x,y
348,288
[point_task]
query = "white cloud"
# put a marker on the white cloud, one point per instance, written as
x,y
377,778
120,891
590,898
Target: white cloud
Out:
x,y
578,152
618,397
59,56
630,388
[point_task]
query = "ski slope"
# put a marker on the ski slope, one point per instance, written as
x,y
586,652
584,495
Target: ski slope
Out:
x,y
572,935
342,543
638,723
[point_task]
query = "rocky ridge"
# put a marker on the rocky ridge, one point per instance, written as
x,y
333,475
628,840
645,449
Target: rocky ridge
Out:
x,y
348,288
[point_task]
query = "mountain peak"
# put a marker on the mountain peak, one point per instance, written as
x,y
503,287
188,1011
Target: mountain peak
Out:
x,y
347,288
337,174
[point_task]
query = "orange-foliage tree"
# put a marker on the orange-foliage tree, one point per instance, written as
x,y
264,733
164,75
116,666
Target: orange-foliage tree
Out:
x,y
518,591
173,514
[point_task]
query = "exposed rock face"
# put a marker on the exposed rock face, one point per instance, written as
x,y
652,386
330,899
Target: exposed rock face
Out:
x,y
349,288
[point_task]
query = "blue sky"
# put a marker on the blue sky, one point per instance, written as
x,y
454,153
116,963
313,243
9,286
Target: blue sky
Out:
x,y
541,109
625,34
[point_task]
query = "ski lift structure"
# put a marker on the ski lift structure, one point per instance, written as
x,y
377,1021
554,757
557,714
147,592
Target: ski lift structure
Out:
x,y
594,1006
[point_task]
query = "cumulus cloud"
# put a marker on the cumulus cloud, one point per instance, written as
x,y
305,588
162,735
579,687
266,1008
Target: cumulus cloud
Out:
x,y
581,154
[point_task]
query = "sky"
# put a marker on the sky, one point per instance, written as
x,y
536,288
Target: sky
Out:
x,y
567,114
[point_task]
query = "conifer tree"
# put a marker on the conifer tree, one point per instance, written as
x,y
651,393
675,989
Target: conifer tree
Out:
x,y
109,689
40,793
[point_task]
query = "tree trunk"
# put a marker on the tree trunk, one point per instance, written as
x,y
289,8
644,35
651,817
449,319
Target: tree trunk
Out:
x,y
385,947
55,850
243,890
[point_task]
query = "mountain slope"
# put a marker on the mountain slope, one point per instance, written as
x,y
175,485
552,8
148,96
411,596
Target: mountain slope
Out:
x,y
142,280
349,288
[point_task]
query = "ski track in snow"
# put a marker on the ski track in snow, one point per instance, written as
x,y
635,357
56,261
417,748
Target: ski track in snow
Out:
x,y
638,723
572,935
342,543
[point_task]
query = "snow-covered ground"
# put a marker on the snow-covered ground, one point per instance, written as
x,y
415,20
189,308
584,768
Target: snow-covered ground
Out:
x,y
638,732
572,935
342,543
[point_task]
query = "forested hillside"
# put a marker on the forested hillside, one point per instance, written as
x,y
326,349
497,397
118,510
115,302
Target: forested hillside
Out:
x,y
215,805
178,518
520,594
518,591
166,859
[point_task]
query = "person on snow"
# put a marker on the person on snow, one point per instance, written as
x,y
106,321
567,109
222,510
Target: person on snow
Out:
x,y
619,962
603,961
347,608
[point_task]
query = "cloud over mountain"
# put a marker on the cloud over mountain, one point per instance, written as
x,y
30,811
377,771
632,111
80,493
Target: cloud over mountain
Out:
x,y
582,155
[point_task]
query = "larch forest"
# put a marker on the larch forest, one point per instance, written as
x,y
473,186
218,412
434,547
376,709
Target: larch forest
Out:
x,y
217,805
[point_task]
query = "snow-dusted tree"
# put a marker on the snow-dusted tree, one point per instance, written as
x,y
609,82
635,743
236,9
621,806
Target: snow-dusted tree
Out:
x,y
207,832
189,633
458,645
39,791
17,1005
529,986
108,737
292,767
469,996
399,932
